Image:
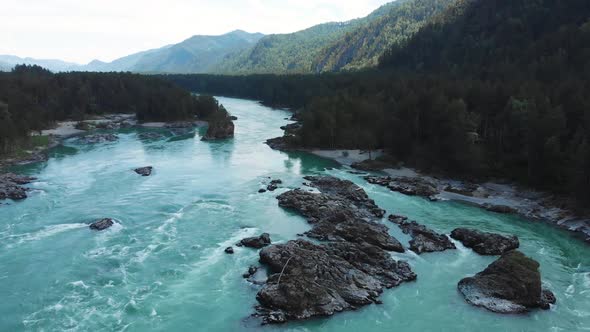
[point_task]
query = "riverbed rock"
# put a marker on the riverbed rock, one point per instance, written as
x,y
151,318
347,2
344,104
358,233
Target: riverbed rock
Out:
x,y
292,128
510,285
229,250
309,280
283,143
251,272
255,242
101,225
355,231
219,129
411,186
423,239
11,186
349,270
485,243
347,190
144,171
98,138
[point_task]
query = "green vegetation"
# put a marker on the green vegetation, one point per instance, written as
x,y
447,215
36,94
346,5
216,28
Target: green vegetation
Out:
x,y
32,99
362,47
355,44
488,88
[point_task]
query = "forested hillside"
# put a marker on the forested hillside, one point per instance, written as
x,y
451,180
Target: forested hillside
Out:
x,y
198,54
326,47
362,47
488,88
32,98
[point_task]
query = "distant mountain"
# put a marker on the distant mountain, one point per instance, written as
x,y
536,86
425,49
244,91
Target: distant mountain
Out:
x,y
363,46
198,54
294,52
51,64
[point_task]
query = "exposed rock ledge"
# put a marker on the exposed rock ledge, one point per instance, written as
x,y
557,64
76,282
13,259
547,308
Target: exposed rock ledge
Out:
x,y
11,186
423,239
352,270
485,243
494,197
510,285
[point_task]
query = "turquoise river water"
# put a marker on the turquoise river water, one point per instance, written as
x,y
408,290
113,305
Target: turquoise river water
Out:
x,y
162,266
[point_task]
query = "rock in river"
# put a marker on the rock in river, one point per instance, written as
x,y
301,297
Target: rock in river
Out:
x,y
256,242
229,250
423,238
485,243
349,271
342,212
144,171
512,284
309,280
411,186
11,186
101,225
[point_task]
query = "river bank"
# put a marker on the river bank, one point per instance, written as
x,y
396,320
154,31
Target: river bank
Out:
x,y
499,197
63,130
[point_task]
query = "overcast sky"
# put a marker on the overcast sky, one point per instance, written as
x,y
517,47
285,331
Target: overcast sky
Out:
x,y
83,30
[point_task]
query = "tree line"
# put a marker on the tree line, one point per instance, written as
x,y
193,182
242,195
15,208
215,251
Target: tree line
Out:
x,y
32,99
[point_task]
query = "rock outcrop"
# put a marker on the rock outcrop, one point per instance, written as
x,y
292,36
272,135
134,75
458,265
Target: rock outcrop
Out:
x,y
309,280
349,271
256,242
485,243
283,143
411,186
512,284
219,129
101,225
11,186
144,171
423,239
98,138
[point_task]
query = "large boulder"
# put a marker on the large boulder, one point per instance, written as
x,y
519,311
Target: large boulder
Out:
x,y
512,284
255,242
485,243
423,239
102,224
11,186
144,171
309,280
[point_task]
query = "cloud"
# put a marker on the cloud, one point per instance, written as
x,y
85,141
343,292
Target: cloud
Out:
x,y
80,31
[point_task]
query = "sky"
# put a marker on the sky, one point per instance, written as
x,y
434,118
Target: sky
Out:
x,y
83,30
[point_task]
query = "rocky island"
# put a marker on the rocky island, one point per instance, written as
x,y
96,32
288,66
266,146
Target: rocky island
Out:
x,y
349,270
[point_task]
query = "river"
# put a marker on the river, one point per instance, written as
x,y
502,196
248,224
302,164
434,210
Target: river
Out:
x,y
162,267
